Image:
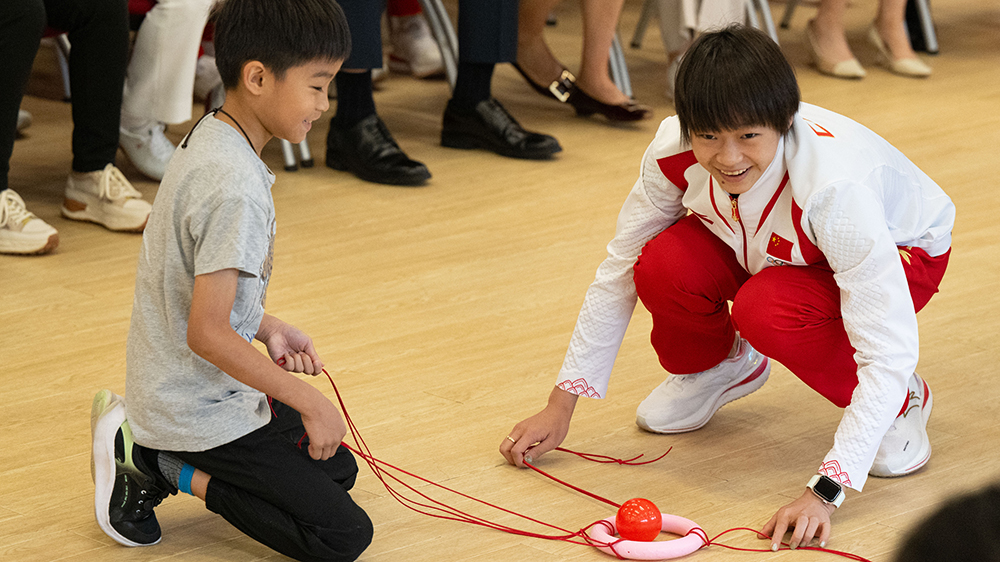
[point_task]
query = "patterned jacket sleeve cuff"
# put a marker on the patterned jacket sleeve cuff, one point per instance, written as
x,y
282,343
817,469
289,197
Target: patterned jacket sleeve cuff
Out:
x,y
580,387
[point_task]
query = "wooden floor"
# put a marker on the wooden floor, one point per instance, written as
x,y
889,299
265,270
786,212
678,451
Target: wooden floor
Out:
x,y
445,311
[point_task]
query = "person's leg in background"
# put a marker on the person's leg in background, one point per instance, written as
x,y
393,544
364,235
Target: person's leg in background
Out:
x,y
21,25
358,141
592,90
160,80
97,191
487,35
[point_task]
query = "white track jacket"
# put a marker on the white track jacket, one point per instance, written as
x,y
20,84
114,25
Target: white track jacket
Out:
x,y
835,191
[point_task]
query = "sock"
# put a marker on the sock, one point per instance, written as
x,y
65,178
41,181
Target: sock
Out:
x,y
472,85
354,98
175,471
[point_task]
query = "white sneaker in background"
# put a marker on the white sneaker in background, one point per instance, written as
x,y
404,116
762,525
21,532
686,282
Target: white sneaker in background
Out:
x,y
686,402
378,75
107,198
21,232
147,147
23,120
414,50
906,447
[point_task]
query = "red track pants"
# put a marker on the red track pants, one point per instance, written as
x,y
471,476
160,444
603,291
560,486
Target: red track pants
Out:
x,y
686,275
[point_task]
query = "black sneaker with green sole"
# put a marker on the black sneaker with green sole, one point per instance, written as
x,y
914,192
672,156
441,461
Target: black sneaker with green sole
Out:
x,y
126,489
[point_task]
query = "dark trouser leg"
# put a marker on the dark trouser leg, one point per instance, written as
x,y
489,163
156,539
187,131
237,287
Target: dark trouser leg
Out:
x,y
21,25
98,33
274,492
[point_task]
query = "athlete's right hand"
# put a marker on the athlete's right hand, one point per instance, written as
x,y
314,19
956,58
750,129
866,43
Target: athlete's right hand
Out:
x,y
325,426
542,432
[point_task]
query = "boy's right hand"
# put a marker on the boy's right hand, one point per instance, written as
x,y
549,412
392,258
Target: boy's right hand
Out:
x,y
325,426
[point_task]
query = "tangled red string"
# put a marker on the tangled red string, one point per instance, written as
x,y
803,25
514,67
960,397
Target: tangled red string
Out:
x,y
434,508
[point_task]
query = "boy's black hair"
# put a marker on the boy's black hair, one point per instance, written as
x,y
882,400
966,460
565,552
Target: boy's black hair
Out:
x,y
965,528
278,33
731,78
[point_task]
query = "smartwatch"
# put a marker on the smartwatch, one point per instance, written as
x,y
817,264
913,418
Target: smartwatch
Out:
x,y
826,489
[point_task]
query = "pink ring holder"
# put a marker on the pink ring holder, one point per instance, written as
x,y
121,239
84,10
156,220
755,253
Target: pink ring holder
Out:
x,y
650,550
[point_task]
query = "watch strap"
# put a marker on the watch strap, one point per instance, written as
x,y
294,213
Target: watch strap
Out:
x,y
837,499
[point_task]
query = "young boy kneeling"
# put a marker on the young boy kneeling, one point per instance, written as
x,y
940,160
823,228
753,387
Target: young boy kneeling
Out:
x,y
197,416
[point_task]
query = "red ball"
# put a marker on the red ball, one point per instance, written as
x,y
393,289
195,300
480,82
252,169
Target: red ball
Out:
x,y
638,519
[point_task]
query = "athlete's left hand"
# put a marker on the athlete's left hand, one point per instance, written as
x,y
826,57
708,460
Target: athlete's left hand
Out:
x,y
809,516
289,347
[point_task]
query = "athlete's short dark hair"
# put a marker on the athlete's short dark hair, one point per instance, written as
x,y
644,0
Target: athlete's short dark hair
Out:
x,y
278,33
734,77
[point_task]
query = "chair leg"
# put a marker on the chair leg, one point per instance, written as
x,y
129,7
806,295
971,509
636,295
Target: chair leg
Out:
x,y
927,24
289,155
62,55
444,34
640,28
618,68
306,159
763,8
789,10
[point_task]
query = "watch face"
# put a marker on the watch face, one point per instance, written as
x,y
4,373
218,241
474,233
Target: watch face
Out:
x,y
826,488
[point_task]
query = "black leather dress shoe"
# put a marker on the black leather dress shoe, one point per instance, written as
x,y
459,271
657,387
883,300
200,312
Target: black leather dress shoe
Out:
x,y
489,126
368,151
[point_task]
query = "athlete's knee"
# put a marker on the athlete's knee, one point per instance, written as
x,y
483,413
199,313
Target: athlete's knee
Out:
x,y
758,307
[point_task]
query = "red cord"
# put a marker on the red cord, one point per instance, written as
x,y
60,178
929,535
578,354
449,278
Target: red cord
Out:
x,y
441,510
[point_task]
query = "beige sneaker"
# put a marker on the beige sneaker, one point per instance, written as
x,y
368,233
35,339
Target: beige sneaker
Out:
x,y
106,198
21,232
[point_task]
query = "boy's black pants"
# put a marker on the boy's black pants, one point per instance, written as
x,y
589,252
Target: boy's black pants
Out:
x,y
277,494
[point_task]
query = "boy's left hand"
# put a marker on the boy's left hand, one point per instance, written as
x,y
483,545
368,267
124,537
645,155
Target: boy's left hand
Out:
x,y
289,347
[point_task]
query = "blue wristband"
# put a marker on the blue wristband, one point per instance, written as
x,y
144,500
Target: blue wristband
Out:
x,y
184,480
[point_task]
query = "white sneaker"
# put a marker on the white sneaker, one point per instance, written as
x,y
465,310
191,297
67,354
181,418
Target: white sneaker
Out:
x,y
905,447
414,50
147,147
686,402
21,232
107,198
23,120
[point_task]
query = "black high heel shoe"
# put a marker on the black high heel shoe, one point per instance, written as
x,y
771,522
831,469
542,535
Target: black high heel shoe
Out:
x,y
586,106
560,89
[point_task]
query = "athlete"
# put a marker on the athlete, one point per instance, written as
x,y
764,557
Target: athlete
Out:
x,y
825,238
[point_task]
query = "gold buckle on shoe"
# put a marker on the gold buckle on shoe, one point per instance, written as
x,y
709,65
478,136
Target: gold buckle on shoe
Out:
x,y
562,87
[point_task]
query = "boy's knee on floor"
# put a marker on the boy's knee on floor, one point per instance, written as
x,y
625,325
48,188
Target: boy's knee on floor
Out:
x,y
349,538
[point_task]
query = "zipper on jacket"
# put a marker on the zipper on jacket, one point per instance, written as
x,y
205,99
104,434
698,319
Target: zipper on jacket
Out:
x,y
734,201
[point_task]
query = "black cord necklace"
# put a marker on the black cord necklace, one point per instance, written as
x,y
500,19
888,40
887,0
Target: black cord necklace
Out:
x,y
245,135
214,112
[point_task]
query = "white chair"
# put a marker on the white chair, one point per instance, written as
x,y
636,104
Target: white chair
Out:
x,y
758,14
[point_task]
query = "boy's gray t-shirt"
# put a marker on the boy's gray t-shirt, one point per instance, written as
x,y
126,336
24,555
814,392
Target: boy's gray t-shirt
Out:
x,y
213,211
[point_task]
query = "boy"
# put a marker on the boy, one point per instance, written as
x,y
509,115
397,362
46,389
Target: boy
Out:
x,y
826,239
196,416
